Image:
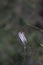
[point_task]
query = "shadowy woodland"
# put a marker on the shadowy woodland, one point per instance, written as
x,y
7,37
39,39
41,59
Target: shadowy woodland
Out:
x,y
25,16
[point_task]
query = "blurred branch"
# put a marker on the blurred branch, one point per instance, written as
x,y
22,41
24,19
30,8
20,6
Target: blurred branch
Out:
x,y
34,27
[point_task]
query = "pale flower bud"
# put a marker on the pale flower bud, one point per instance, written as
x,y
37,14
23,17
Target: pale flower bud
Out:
x,y
22,37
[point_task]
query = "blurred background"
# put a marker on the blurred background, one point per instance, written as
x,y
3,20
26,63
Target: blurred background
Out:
x,y
17,16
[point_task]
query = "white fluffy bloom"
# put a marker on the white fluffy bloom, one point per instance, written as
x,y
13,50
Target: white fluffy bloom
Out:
x,y
41,45
22,37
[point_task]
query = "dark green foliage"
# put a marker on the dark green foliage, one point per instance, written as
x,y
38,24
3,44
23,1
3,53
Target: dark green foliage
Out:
x,y
21,22
11,49
18,58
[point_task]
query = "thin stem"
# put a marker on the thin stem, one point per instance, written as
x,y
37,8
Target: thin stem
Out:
x,y
24,55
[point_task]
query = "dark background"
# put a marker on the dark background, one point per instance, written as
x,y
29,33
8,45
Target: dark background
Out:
x,y
21,15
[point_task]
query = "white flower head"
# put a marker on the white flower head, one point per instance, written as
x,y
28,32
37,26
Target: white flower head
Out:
x,y
22,37
41,45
